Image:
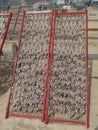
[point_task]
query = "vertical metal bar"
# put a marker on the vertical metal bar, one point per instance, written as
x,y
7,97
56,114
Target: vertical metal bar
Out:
x,y
6,30
50,63
21,29
48,60
87,87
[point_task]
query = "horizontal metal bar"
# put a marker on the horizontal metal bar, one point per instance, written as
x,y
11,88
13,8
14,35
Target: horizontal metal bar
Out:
x,y
67,121
38,12
4,15
70,13
93,56
25,116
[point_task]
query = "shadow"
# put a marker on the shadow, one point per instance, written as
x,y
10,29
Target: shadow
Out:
x,y
6,69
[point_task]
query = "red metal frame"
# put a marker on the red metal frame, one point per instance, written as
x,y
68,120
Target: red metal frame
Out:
x,y
70,13
52,31
44,117
21,29
87,87
45,91
7,108
36,12
6,29
47,74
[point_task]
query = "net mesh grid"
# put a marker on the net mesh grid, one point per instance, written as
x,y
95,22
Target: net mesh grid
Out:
x,y
29,79
67,98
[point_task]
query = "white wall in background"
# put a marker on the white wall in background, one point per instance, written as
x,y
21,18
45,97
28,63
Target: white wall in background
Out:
x,y
60,2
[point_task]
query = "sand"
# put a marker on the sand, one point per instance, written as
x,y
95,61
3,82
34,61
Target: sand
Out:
x,y
13,123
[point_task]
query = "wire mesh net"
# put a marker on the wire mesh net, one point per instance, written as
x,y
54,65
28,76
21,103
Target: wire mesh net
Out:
x,y
68,79
67,98
29,78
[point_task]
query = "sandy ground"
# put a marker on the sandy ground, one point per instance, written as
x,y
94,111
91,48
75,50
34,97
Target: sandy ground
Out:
x,y
13,123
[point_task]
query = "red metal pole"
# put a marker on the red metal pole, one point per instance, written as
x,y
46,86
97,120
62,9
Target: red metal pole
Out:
x,y
6,30
50,62
21,29
47,75
87,86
